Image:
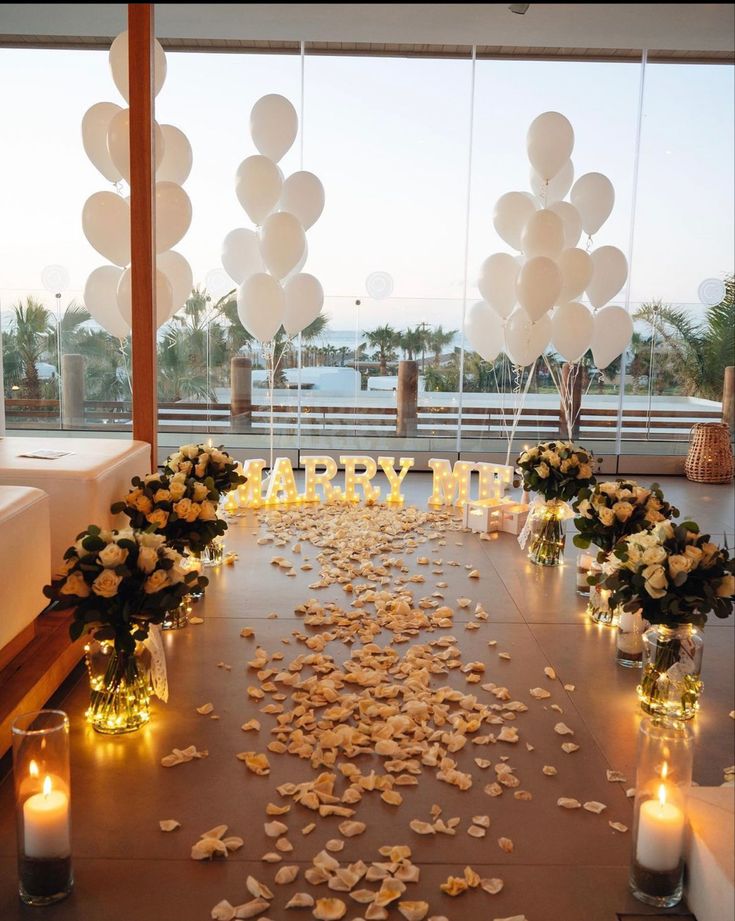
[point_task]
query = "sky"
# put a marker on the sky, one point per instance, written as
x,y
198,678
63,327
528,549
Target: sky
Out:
x,y
389,138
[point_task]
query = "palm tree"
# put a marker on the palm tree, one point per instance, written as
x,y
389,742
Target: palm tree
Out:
x,y
384,340
32,327
412,341
697,353
438,340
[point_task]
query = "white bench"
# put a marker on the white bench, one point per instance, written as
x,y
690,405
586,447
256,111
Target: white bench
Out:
x,y
81,486
25,561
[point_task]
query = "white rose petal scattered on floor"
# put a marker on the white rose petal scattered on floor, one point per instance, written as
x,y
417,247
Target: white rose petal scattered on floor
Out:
x,y
567,803
593,806
616,777
550,673
169,824
205,709
183,755
618,826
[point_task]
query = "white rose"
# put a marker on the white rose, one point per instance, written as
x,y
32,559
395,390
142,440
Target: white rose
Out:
x,y
158,518
653,555
106,583
155,582
641,494
656,581
709,552
664,530
190,451
185,468
678,563
147,559
624,494
199,492
201,470
177,490
75,585
193,512
152,478
610,489
694,555
219,457
652,516
606,516
551,458
585,472
634,555
584,508
112,556
726,588
542,470
183,507
622,510
150,540
162,495
208,511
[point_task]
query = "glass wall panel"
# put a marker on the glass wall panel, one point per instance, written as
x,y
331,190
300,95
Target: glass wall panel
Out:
x,y
682,288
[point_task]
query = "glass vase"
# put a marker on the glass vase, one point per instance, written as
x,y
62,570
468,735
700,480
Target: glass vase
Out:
x,y
178,617
120,687
547,539
663,778
598,607
43,801
586,566
629,642
213,554
672,664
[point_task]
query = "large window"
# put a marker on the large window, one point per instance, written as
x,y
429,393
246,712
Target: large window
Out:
x,y
390,139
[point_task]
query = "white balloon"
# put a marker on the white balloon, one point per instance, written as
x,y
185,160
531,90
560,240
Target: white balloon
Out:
x,y
282,243
106,224
304,301
118,59
571,219
538,286
612,333
526,341
303,196
178,271
176,163
118,143
258,184
576,268
550,141
512,212
273,125
571,330
241,254
609,274
497,282
173,215
164,297
484,331
593,196
543,235
555,189
100,299
299,265
261,305
95,123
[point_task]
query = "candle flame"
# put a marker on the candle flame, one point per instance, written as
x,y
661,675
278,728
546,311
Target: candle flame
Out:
x,y
662,795
33,769
46,785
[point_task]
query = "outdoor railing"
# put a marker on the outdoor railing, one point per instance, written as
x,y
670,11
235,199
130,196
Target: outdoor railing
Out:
x,y
492,421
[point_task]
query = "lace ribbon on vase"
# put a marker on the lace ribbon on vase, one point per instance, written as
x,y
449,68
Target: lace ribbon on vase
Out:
x,y
159,677
535,510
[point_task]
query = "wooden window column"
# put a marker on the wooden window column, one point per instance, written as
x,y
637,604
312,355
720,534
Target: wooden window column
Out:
x,y
142,224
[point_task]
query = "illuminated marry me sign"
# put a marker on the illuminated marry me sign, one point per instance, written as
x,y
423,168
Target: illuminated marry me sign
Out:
x,y
451,485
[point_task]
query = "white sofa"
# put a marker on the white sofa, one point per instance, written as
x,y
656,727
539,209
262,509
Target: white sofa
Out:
x,y
25,561
81,485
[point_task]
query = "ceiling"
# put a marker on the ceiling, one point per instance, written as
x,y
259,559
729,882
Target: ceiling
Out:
x,y
677,30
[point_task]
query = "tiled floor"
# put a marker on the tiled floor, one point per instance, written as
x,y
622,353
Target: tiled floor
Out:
x,y
566,866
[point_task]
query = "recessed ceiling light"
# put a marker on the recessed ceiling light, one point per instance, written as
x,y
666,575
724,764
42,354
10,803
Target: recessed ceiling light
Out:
x,y
520,8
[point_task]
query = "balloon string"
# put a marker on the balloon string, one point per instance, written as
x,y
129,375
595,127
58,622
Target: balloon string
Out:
x,y
519,410
501,393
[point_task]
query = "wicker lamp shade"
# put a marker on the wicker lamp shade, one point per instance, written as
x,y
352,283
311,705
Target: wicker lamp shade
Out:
x,y
710,458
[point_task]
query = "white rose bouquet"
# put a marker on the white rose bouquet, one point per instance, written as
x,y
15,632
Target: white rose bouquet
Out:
x,y
674,573
611,511
180,508
557,469
209,465
119,583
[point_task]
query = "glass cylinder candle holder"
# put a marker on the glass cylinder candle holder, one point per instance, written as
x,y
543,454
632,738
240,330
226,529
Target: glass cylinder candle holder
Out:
x,y
585,561
629,640
42,802
663,778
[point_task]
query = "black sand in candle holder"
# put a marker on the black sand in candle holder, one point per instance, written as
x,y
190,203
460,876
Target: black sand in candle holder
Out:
x,y
43,881
658,887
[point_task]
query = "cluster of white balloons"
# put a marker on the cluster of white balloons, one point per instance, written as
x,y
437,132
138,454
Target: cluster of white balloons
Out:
x,y
266,263
106,215
552,272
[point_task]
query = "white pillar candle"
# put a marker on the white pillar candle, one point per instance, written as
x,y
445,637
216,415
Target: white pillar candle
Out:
x,y
46,823
630,632
660,834
584,564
